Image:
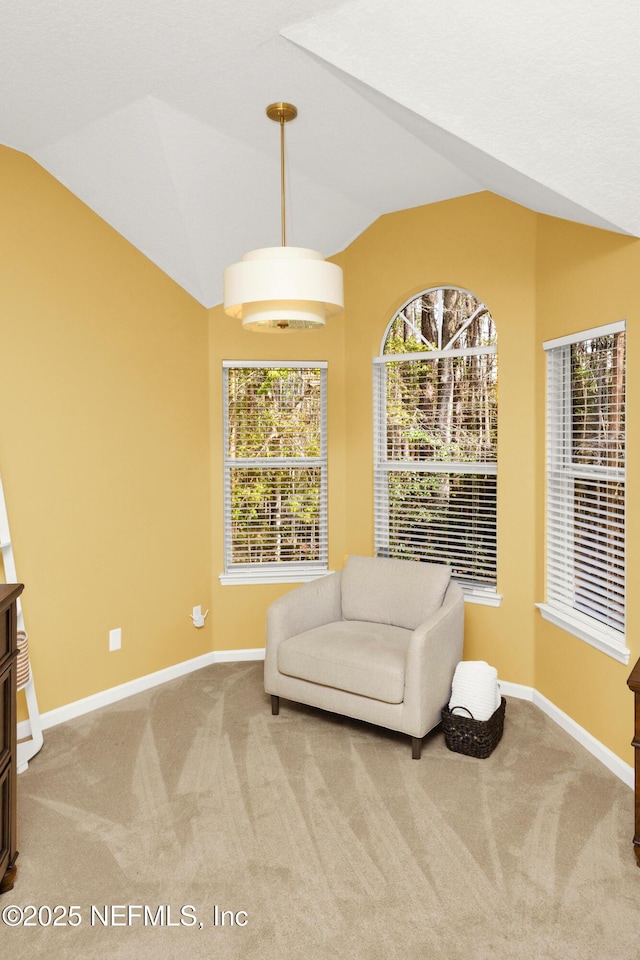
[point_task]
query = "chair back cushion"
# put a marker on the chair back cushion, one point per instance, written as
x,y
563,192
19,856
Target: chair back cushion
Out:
x,y
404,593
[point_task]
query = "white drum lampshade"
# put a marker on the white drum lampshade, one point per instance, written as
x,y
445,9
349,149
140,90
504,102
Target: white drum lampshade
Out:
x,y
283,288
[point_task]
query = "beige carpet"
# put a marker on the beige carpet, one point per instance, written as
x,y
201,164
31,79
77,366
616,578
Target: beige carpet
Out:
x,y
324,832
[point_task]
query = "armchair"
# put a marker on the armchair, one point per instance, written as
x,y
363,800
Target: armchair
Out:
x,y
378,641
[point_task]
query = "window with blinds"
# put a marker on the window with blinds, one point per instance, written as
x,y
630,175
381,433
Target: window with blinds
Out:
x,y
586,486
275,470
435,448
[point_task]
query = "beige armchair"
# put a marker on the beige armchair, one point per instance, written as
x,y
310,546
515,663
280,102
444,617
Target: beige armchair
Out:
x,y
378,641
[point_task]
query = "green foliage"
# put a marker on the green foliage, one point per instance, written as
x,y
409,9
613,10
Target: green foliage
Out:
x,y
444,518
274,415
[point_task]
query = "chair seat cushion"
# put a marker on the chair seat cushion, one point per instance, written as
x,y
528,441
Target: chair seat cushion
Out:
x,y
356,656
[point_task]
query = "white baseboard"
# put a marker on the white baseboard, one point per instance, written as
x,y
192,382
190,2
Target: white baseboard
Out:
x,y
611,760
78,708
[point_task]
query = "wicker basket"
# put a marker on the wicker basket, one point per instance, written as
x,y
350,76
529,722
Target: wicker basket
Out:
x,y
475,738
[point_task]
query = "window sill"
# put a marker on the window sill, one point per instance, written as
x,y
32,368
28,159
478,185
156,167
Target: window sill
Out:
x,y
599,639
487,598
271,576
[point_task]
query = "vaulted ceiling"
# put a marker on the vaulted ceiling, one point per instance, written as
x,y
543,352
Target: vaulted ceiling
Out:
x,y
154,114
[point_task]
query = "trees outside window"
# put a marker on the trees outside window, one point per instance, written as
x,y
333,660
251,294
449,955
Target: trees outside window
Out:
x,y
586,488
436,437
275,471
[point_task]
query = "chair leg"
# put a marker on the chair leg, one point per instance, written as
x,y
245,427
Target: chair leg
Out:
x,y
416,748
275,705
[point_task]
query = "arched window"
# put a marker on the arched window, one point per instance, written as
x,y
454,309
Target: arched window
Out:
x,y
436,437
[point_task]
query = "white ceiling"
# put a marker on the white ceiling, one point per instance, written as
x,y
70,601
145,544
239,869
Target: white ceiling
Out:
x,y
154,114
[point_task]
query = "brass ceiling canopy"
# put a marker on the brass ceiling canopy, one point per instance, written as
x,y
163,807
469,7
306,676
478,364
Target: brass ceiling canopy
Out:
x,y
282,112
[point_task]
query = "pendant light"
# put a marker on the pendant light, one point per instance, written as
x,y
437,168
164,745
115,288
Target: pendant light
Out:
x,y
278,289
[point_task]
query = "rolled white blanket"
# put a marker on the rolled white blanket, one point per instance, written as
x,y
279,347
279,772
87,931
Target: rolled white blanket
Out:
x,y
475,690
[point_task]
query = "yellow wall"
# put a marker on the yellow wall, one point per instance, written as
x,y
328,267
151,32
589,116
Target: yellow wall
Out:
x,y
103,442
111,432
587,277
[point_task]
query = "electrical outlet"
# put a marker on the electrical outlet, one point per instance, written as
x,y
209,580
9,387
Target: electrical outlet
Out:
x,y
115,639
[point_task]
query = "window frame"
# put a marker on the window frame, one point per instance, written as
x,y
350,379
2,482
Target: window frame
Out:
x,y
561,471
282,571
473,592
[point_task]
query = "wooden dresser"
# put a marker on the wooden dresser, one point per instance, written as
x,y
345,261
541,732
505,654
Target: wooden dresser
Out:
x,y
9,593
634,684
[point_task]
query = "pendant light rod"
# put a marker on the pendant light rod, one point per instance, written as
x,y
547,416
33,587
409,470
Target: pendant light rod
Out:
x,y
281,113
283,208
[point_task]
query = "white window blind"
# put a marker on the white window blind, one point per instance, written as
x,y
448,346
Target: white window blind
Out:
x,y
586,486
275,470
435,446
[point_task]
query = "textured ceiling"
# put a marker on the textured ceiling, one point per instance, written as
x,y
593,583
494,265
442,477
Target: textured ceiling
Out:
x,y
153,114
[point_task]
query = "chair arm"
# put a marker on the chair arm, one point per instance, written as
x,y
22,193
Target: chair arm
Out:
x,y
435,649
308,606
305,607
